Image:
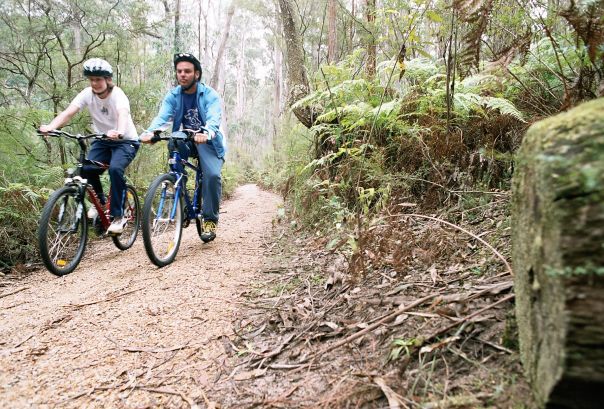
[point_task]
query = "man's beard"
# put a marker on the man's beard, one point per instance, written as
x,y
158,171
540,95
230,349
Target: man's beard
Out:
x,y
191,84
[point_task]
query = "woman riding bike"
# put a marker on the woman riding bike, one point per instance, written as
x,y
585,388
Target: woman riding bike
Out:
x,y
110,111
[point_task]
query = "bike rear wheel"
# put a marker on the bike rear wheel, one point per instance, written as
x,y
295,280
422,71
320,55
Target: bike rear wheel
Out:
x,y
162,232
132,211
62,233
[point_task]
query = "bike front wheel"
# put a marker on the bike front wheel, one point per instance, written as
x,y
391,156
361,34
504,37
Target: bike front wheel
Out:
x,y
132,213
62,233
162,220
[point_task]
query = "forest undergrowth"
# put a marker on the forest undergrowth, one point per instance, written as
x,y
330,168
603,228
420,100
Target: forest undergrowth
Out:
x,y
427,322
398,290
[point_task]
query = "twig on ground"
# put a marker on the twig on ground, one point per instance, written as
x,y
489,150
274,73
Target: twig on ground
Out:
x,y
157,351
44,327
371,327
14,292
167,392
277,350
465,319
423,216
493,345
103,300
281,397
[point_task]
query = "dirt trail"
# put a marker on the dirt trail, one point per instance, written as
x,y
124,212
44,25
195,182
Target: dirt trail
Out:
x,y
119,332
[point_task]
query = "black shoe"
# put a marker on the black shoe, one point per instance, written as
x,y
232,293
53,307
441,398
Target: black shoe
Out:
x,y
209,231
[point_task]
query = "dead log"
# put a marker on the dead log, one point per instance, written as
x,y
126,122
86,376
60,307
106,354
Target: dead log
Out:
x,y
558,257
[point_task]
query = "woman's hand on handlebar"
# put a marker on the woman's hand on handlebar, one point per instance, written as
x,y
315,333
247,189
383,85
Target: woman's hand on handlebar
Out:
x,y
44,129
113,134
146,137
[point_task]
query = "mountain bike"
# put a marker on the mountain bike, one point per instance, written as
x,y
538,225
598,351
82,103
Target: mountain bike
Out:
x,y
168,208
63,228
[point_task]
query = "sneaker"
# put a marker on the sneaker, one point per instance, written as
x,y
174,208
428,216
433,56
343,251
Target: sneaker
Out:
x,y
209,231
92,213
117,226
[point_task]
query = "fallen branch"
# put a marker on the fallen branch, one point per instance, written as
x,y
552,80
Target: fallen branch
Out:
x,y
371,327
465,319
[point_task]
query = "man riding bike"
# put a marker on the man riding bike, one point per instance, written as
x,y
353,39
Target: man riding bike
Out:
x,y
109,108
190,105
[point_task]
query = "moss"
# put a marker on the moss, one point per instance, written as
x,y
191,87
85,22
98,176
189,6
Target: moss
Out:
x,y
558,231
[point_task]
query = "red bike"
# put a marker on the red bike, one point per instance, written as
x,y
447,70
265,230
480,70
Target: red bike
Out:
x,y
63,229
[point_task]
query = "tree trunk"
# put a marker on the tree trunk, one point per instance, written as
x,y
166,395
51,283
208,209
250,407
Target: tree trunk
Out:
x,y
297,79
371,49
331,32
558,225
177,42
277,61
221,48
240,106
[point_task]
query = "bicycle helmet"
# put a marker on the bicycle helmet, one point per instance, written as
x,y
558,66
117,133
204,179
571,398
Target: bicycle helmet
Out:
x,y
97,67
189,58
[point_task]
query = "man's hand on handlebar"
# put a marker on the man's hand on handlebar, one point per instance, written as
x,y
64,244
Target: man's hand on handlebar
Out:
x,y
200,138
203,137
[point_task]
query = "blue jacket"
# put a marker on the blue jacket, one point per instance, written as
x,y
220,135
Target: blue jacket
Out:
x,y
210,110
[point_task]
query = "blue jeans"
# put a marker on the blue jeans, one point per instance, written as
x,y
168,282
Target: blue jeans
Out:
x,y
118,154
211,181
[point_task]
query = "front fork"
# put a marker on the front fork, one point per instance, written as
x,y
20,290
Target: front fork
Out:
x,y
80,185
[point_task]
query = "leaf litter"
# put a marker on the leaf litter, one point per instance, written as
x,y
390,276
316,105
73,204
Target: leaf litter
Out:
x,y
427,322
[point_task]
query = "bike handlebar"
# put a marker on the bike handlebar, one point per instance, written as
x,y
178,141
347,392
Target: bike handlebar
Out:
x,y
57,132
189,134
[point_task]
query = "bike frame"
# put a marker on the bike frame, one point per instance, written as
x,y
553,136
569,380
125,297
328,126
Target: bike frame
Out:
x,y
192,211
75,178
190,203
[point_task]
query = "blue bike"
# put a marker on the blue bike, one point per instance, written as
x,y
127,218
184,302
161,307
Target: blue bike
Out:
x,y
168,207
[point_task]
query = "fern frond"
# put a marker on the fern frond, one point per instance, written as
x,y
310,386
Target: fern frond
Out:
x,y
504,106
478,80
470,101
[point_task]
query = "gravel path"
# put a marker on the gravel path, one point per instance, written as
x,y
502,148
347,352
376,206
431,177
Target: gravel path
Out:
x,y
119,332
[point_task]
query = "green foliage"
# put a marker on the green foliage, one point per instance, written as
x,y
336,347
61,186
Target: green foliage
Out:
x,y
400,345
569,271
21,205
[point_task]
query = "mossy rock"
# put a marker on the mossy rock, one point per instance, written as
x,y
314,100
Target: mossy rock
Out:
x,y
558,257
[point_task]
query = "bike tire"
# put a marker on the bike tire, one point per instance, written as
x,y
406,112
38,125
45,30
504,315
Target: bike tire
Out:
x,y
63,231
132,211
162,235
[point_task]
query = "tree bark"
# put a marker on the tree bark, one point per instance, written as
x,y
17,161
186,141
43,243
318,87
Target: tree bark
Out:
x,y
177,42
223,41
331,32
558,231
297,79
240,107
277,66
371,48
